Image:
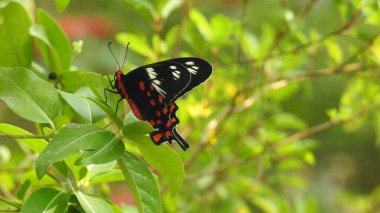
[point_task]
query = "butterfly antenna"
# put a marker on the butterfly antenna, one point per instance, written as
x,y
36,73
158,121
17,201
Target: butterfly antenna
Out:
x,y
109,47
126,53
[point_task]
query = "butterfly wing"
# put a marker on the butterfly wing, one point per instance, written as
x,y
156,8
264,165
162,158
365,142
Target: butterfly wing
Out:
x,y
152,90
199,69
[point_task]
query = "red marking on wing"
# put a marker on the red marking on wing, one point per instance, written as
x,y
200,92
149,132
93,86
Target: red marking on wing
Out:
x,y
173,120
168,134
158,113
148,93
158,122
160,98
152,102
142,85
151,122
165,110
169,123
172,107
151,87
157,137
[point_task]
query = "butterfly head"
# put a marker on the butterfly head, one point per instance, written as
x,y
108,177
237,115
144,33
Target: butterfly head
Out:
x,y
118,72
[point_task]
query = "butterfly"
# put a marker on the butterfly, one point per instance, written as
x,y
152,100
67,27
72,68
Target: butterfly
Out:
x,y
151,91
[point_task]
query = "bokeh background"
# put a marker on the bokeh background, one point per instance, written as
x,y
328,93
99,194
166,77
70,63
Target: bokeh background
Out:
x,y
289,120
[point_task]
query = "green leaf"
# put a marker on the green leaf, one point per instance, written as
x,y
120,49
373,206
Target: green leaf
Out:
x,y
72,81
334,51
169,7
289,121
143,7
50,34
138,44
73,139
46,200
110,176
97,84
202,24
104,173
92,204
171,37
89,111
29,96
36,145
134,127
141,182
16,49
165,160
109,111
61,5
222,29
23,188
107,153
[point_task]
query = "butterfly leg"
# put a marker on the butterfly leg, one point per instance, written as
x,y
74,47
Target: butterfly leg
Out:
x,y
110,81
117,105
105,95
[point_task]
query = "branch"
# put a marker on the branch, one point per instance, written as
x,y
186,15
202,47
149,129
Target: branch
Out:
x,y
17,205
7,135
9,210
283,82
345,27
228,111
287,140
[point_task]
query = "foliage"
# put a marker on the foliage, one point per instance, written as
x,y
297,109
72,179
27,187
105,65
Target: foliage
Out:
x,y
281,77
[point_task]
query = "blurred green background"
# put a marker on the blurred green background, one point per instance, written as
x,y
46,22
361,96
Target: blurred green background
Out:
x,y
289,120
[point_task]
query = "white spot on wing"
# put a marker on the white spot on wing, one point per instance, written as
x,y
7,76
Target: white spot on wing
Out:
x,y
159,90
189,63
195,67
176,74
192,71
157,82
173,67
151,73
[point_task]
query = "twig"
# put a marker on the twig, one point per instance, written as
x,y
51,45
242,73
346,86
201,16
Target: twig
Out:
x,y
10,202
282,82
215,123
346,26
288,139
9,210
186,8
7,135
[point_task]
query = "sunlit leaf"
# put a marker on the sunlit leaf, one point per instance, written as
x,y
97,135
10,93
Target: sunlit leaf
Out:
x,y
34,144
16,49
141,182
164,159
20,87
75,138
92,203
46,200
61,4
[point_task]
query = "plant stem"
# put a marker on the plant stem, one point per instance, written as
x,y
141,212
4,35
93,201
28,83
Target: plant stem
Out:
x,y
7,135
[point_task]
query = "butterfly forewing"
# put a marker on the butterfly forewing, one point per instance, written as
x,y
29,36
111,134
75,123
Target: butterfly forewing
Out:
x,y
199,69
169,78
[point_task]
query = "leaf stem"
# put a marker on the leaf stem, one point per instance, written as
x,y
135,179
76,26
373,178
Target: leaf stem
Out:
x,y
7,135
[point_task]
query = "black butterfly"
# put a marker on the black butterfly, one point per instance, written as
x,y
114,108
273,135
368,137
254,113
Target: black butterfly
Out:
x,y
152,90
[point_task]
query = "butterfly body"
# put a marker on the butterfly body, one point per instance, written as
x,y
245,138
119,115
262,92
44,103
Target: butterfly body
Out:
x,y
151,92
